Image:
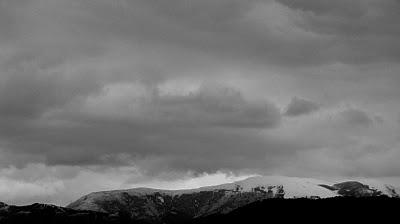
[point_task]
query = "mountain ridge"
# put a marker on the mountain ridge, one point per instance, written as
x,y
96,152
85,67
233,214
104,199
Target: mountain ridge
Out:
x,y
155,205
212,204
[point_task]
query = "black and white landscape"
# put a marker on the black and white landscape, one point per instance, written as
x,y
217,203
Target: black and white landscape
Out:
x,y
209,110
252,197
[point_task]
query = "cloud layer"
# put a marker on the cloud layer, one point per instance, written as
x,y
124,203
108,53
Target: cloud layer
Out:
x,y
300,106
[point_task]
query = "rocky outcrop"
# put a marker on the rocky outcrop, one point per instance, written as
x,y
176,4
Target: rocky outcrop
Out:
x,y
358,190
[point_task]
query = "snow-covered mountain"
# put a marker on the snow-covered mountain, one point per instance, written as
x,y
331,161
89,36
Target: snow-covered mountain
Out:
x,y
155,205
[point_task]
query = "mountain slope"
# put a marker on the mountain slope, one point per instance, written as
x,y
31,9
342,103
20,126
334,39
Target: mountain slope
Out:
x,y
154,205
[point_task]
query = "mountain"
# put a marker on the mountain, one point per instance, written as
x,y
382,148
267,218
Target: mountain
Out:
x,y
257,198
153,205
49,214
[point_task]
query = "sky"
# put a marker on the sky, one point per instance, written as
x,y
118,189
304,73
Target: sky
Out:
x,y
111,94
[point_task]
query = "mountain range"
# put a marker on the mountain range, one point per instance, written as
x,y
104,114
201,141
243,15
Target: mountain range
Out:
x,y
145,205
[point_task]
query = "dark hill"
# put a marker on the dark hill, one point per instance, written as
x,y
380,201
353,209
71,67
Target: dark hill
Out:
x,y
50,214
332,210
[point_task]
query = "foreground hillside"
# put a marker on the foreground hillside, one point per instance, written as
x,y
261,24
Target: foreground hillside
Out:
x,y
50,214
380,209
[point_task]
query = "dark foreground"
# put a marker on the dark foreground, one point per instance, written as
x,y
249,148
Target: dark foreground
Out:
x,y
341,209
334,210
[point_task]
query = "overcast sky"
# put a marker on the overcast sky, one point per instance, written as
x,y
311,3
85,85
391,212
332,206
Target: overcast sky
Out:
x,y
107,94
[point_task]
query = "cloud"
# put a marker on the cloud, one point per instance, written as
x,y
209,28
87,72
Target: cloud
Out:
x,y
340,8
263,32
397,117
300,106
363,28
26,90
208,105
355,117
72,71
140,122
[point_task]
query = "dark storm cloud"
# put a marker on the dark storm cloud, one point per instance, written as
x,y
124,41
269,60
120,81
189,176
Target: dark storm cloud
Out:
x,y
27,90
359,20
72,51
250,30
193,125
325,31
398,118
361,31
342,8
299,106
272,32
356,117
214,105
